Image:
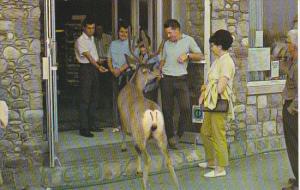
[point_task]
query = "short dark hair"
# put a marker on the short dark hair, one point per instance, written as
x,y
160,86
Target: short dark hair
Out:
x,y
123,24
223,38
173,23
88,20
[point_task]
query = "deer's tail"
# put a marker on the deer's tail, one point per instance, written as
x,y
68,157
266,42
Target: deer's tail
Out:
x,y
153,121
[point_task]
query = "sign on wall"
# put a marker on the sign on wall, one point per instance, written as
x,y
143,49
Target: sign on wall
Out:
x,y
258,59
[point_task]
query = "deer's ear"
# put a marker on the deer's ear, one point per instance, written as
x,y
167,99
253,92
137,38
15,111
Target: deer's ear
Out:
x,y
130,61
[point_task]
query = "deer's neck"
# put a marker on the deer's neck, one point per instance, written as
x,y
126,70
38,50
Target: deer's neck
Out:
x,y
138,84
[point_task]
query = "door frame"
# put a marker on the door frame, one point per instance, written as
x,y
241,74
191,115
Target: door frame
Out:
x,y
49,75
155,25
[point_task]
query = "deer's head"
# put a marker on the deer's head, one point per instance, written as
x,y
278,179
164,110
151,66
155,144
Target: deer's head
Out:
x,y
145,73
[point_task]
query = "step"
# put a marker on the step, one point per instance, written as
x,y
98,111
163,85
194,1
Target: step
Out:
x,y
99,160
107,163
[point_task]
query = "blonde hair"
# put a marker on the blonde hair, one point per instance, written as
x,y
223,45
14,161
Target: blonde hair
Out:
x,y
293,36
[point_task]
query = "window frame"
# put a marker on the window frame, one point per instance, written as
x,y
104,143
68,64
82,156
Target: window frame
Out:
x,y
256,24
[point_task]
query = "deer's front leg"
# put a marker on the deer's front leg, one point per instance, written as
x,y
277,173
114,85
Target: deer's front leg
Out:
x,y
139,171
123,146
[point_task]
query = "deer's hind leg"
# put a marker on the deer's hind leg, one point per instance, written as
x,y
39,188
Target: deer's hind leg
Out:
x,y
160,136
147,166
162,144
142,152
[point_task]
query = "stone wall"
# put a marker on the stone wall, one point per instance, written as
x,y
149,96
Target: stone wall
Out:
x,y
20,83
258,124
264,123
194,21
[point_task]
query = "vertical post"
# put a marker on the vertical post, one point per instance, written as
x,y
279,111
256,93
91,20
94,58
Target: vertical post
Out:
x,y
51,79
159,21
150,20
115,19
158,34
135,12
54,69
207,12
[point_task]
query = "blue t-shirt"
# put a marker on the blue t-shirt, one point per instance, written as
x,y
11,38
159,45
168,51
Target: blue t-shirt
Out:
x,y
117,51
171,52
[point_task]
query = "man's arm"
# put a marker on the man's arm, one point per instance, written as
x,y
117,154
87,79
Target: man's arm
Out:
x,y
194,53
195,56
91,59
116,72
161,64
190,56
94,62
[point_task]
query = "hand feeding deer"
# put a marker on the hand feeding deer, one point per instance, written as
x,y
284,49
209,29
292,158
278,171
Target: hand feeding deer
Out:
x,y
140,117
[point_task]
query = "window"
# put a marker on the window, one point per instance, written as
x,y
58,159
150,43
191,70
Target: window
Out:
x,y
274,18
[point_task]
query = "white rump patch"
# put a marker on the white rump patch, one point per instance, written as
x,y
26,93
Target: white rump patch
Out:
x,y
151,118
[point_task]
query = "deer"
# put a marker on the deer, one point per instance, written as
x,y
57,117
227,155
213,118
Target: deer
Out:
x,y
142,118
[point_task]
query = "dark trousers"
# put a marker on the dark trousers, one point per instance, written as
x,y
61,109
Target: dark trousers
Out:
x,y
172,87
118,83
152,95
89,90
290,126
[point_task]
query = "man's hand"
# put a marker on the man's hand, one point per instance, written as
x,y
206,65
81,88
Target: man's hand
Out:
x,y
181,59
102,69
123,67
116,72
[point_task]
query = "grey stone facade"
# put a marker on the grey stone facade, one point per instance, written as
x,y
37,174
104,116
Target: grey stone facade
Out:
x,y
257,128
21,83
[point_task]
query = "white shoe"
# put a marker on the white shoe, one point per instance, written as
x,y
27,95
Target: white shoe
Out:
x,y
205,165
214,174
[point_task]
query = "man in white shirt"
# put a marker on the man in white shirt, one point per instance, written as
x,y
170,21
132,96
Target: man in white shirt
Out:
x,y
87,56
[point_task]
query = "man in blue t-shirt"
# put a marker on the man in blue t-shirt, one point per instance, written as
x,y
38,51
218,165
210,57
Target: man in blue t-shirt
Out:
x,y
178,50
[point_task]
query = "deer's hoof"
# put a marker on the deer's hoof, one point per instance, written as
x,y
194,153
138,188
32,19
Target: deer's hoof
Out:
x,y
139,173
123,148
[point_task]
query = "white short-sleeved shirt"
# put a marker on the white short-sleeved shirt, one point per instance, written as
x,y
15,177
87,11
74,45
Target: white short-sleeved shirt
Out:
x,y
85,44
171,52
222,66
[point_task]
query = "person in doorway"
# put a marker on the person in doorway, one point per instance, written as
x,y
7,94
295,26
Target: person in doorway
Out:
x,y
178,50
151,90
290,107
118,66
219,82
102,41
87,56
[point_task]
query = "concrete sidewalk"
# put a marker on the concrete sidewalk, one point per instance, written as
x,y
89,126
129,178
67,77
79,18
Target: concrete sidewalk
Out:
x,y
260,172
